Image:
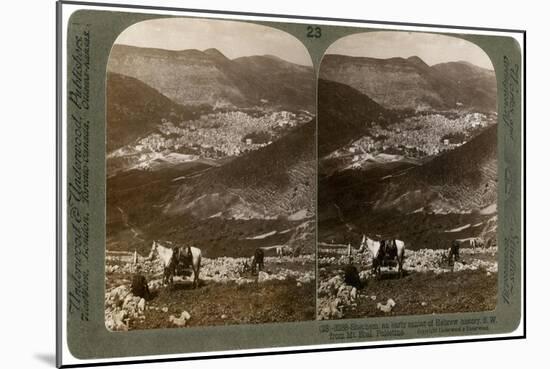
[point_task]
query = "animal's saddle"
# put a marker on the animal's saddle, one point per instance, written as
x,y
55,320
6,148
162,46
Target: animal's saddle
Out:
x,y
388,250
182,260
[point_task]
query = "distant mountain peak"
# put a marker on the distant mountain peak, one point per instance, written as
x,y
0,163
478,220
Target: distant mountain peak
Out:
x,y
417,60
214,53
434,87
271,56
207,77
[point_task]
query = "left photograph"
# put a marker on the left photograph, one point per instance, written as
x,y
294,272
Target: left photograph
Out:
x,y
210,176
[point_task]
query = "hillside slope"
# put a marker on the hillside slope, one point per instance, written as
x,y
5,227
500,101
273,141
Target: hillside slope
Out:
x,y
344,115
277,180
410,83
135,109
461,180
194,77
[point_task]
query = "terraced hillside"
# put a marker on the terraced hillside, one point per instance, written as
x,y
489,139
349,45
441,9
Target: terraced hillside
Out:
x,y
277,180
462,180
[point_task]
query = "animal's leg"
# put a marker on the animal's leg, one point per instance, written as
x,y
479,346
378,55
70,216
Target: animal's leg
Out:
x,y
196,275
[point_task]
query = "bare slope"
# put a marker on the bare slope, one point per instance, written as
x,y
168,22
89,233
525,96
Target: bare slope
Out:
x,y
344,115
277,180
134,109
400,83
194,77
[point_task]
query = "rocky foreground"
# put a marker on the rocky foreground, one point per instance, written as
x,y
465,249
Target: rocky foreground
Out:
x,y
124,311
430,285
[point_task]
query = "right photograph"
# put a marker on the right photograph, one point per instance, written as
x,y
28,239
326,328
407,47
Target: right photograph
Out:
x,y
407,177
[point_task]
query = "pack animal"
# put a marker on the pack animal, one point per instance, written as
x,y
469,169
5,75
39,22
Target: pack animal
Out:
x,y
175,258
383,252
283,251
476,242
258,260
454,252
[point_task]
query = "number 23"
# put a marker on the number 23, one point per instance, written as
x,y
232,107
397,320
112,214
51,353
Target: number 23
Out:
x,y
313,32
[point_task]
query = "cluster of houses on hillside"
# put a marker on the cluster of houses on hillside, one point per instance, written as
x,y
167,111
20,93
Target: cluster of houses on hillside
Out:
x,y
421,136
220,134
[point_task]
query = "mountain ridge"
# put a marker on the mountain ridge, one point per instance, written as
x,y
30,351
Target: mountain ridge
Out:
x,y
410,83
194,77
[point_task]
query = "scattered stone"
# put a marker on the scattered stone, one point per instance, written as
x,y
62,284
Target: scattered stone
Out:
x,y
386,308
353,294
373,297
224,316
262,277
424,303
122,306
116,320
181,321
242,281
307,277
141,305
364,275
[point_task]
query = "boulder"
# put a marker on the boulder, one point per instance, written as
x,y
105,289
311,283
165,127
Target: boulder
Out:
x,y
141,305
330,309
180,321
116,320
387,307
263,276
353,294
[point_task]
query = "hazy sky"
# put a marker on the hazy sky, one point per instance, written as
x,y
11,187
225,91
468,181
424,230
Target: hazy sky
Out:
x,y
431,48
233,39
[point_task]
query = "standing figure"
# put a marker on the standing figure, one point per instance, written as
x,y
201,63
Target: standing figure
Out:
x,y
258,260
454,252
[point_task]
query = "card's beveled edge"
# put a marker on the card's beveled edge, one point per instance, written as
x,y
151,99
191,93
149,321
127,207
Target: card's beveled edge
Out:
x,y
289,16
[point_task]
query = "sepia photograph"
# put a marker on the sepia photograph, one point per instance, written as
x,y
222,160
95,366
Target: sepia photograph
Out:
x,y
211,176
407,187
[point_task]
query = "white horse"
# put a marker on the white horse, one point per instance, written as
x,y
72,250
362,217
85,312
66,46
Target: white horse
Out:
x,y
283,251
166,255
476,242
379,254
